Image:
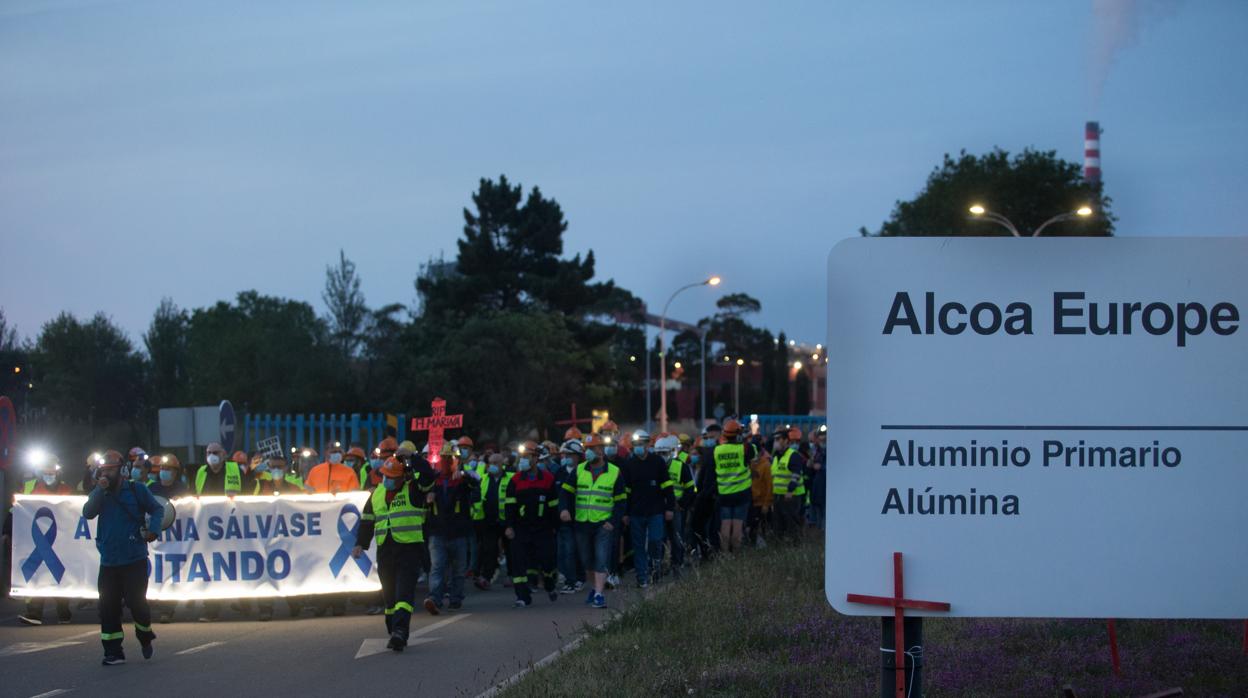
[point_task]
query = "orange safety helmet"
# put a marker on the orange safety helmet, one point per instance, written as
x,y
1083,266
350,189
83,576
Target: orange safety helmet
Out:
x,y
239,457
111,458
465,441
794,434
528,448
573,434
594,440
732,429
609,427
168,461
388,446
358,453
393,467
333,447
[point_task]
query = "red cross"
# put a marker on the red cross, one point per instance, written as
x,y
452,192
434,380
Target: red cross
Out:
x,y
899,603
436,424
574,421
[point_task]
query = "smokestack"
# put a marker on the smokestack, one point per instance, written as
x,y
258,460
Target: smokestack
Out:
x,y
1092,153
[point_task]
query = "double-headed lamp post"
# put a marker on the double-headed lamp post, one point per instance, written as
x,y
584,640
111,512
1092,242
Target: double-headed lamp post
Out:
x,y
978,212
712,281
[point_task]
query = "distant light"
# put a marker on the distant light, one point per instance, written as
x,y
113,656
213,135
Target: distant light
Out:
x,y
714,280
337,444
727,358
36,457
293,449
977,210
754,418
521,449
792,343
30,386
97,457
17,369
632,358
1083,211
740,362
376,451
677,364
823,427
815,357
797,365
819,347
306,453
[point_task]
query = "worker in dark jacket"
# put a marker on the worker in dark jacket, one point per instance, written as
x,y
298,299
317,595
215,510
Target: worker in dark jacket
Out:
x,y
532,518
448,527
704,521
121,536
650,505
491,519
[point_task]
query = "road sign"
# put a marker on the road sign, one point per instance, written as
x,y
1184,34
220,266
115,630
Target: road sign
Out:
x,y
1044,427
8,432
226,415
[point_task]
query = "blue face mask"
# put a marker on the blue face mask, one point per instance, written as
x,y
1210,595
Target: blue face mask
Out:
x,y
276,474
49,480
136,475
708,443
640,451
166,477
695,458
390,483
494,469
568,462
611,450
522,465
375,463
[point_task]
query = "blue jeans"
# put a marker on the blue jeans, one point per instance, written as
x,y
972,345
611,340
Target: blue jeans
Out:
x,y
647,544
567,560
446,551
596,545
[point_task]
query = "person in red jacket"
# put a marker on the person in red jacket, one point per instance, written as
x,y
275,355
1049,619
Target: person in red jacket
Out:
x,y
46,481
532,520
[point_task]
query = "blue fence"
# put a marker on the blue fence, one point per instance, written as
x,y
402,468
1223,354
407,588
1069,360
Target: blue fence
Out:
x,y
317,430
769,423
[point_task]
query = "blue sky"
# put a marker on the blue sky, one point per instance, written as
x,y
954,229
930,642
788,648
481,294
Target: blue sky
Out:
x,y
153,149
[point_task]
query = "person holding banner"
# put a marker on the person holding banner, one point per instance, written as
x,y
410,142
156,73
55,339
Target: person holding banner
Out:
x,y
122,536
395,513
219,476
48,481
169,483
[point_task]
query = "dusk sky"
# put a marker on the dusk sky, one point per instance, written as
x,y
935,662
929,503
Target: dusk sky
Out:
x,y
152,149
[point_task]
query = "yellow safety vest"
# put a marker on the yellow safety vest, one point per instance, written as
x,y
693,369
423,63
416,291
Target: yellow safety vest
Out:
x,y
233,478
781,477
478,507
400,519
675,470
732,475
595,499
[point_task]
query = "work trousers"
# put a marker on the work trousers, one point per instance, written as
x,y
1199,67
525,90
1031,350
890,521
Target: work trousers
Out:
x,y
489,535
676,538
123,584
647,539
450,558
788,516
532,560
398,566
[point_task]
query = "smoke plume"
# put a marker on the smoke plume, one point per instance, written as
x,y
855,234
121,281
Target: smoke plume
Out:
x,y
1118,27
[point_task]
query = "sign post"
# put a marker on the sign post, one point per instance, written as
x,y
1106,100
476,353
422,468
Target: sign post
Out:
x,y
436,425
225,412
1021,416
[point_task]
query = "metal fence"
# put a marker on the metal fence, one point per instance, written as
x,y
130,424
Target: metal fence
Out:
x,y
769,423
317,430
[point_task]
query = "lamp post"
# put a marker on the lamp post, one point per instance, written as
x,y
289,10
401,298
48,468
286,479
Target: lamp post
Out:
x,y
712,281
736,388
703,380
978,212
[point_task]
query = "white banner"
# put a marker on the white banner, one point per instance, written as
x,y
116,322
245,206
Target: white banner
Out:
x,y
218,548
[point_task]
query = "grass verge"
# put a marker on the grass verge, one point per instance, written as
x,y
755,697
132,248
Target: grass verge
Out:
x,y
759,625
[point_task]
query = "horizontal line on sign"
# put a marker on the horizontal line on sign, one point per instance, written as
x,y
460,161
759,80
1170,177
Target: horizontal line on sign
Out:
x,y
1054,427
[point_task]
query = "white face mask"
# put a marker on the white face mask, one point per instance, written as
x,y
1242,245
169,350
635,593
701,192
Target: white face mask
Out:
x,y
49,479
214,459
335,458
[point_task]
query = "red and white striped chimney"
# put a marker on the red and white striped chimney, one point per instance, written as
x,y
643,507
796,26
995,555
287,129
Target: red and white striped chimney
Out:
x,y
1092,153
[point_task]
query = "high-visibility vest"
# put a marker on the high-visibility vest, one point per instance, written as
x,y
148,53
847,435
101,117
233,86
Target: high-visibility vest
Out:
x,y
782,477
29,486
233,478
478,507
595,499
732,475
401,519
675,470
290,478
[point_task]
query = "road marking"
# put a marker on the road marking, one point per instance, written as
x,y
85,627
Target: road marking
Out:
x,y
372,645
53,692
79,636
29,647
199,648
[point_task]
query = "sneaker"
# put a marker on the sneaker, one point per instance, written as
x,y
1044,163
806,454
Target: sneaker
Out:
x,y
523,603
554,595
374,611
482,583
111,659
422,578
568,589
397,642
600,601
147,650
579,586
613,581
456,605
29,620
432,607
589,598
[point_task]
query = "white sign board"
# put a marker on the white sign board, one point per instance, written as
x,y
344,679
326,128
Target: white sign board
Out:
x,y
217,548
189,426
1043,427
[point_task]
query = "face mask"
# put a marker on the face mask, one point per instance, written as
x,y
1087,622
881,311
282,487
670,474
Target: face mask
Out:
x,y
611,451
708,443
522,465
640,451
166,477
568,462
136,474
494,469
49,479
695,458
374,462
353,464
276,474
390,483
214,459
335,458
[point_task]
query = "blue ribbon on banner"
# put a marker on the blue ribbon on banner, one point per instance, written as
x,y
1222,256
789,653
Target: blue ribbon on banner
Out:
x,y
347,535
43,554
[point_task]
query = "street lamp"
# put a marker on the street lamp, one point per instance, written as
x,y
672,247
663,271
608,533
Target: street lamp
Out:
x,y
978,212
712,281
736,387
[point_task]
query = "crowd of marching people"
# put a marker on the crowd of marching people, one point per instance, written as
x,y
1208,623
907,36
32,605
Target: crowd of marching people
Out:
x,y
541,518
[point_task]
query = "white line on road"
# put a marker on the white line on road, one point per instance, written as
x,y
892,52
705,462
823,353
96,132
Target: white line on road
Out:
x,y
79,636
199,648
435,626
29,647
53,692
371,646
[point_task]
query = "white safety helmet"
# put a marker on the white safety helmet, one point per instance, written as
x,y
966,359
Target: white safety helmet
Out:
x,y
641,436
667,444
572,446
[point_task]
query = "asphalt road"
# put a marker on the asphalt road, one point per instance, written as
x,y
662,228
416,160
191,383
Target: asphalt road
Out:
x,y
459,653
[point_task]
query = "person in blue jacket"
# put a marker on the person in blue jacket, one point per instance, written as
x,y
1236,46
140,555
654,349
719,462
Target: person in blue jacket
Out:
x,y
121,536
